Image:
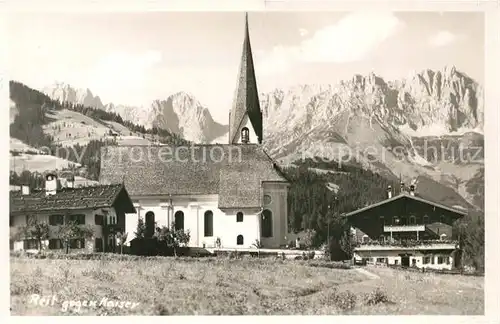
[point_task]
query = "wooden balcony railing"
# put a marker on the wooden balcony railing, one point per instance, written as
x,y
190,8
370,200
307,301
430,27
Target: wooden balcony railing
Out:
x,y
404,228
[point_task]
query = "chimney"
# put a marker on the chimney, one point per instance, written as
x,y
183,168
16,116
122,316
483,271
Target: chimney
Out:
x,y
52,184
412,190
389,192
25,190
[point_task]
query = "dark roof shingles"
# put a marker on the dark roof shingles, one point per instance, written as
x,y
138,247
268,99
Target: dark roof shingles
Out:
x,y
64,199
235,172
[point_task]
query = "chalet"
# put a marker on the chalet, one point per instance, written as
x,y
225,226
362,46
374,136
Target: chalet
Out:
x,y
101,208
227,195
406,230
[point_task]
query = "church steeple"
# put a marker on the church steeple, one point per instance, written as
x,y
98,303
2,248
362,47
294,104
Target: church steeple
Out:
x,y
245,111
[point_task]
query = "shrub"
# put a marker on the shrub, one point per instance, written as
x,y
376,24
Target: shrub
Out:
x,y
376,297
345,300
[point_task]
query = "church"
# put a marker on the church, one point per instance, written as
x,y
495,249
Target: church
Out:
x,y
229,196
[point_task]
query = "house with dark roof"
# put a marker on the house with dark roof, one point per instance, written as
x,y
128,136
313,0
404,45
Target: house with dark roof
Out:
x,y
227,195
406,230
101,208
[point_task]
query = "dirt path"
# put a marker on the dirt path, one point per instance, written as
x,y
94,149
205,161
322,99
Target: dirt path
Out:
x,y
367,273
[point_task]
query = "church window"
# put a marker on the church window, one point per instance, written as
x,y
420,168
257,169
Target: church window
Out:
x,y
245,135
239,217
239,240
209,223
150,224
179,220
267,223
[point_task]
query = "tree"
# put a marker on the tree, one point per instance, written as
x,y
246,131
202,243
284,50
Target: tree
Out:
x,y
348,243
308,238
121,238
171,237
140,231
71,230
33,230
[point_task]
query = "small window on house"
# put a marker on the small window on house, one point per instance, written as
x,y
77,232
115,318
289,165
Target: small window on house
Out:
x,y
426,260
403,221
426,220
239,240
99,220
55,244
245,135
380,260
239,217
209,223
179,220
267,199
77,243
413,220
432,259
31,244
448,260
98,244
381,238
440,260
79,219
56,220
365,239
442,237
395,220
396,262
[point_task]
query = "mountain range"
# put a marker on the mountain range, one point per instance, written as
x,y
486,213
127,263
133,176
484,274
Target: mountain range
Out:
x,y
414,128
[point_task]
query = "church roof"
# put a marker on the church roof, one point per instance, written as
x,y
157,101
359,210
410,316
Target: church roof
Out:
x,y
246,97
234,172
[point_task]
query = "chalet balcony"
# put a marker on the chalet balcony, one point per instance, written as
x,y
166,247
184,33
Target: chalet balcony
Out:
x,y
407,245
404,228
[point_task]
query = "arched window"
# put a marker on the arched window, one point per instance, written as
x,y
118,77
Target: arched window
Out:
x,y
266,223
150,224
209,223
413,220
365,239
245,135
239,217
442,237
179,220
239,240
426,219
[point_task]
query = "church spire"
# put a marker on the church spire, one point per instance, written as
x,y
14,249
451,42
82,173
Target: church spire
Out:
x,y
246,107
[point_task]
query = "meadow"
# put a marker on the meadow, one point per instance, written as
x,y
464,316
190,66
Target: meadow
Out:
x,y
233,286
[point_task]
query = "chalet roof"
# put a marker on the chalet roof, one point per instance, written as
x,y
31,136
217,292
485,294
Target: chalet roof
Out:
x,y
69,199
234,172
246,97
405,195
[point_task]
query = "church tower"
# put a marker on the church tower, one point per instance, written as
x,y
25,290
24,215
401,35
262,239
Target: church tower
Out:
x,y
245,118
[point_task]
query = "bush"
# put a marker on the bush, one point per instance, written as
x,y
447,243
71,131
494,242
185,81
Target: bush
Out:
x,y
376,297
345,300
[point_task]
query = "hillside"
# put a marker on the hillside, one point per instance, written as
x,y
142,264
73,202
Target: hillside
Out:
x,y
50,135
179,113
428,125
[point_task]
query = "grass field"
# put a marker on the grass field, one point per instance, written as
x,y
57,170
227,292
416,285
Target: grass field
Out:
x,y
223,286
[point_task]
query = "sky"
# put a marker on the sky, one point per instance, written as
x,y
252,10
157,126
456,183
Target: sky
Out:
x,y
135,58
